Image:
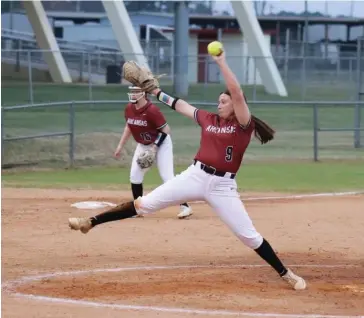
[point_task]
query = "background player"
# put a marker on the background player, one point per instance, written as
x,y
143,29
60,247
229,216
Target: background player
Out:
x,y
224,139
149,128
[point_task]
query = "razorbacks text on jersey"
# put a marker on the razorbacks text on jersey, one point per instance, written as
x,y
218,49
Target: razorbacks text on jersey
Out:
x,y
223,142
144,123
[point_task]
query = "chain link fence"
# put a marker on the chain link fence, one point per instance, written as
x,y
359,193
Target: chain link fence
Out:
x,y
320,74
87,133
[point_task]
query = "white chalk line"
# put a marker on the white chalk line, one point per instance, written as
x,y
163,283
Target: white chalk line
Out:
x,y
8,286
270,198
297,196
303,196
173,310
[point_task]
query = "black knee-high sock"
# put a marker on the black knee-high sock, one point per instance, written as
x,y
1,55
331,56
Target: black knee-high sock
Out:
x,y
137,190
266,252
122,211
185,204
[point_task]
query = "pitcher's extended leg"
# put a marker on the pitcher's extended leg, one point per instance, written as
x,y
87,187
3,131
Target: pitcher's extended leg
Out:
x,y
232,212
184,187
181,188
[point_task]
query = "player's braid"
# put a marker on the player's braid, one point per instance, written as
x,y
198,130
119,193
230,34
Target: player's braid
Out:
x,y
262,130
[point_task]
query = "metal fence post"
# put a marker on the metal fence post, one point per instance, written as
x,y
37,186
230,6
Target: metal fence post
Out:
x,y
303,76
98,60
338,67
17,64
89,77
172,58
286,55
82,63
315,133
30,75
305,53
357,119
2,135
357,114
255,78
206,75
72,134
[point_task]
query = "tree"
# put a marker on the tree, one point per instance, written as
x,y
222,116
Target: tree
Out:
x,y
259,7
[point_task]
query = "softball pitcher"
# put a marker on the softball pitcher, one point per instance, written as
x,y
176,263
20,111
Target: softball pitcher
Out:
x,y
149,128
225,137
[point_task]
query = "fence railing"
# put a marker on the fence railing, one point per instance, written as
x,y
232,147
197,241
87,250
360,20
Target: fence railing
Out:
x,y
294,132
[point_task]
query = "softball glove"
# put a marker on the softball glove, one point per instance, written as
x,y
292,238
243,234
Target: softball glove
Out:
x,y
140,76
146,159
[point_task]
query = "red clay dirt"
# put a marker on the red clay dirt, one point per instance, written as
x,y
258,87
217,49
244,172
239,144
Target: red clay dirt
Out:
x,y
325,233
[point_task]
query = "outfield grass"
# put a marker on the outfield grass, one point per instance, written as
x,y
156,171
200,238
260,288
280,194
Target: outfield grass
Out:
x,y
281,177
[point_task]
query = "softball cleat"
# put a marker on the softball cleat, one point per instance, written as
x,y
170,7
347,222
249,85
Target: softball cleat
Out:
x,y
298,283
82,224
186,211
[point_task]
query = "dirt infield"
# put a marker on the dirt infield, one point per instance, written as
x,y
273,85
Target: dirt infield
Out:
x,y
178,268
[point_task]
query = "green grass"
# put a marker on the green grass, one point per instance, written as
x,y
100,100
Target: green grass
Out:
x,y
282,177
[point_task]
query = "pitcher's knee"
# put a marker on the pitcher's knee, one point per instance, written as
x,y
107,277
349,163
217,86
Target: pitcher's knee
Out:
x,y
252,241
143,206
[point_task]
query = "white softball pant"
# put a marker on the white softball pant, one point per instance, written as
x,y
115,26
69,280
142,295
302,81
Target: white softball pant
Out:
x,y
164,161
219,192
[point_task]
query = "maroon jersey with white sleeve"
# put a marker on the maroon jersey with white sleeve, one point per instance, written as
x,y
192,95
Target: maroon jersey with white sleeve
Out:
x,y
223,142
144,123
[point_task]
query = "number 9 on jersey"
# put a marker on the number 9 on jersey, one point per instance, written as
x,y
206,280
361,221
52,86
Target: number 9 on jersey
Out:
x,y
229,154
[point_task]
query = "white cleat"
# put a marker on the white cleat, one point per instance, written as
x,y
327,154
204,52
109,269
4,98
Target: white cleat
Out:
x,y
186,211
298,283
82,224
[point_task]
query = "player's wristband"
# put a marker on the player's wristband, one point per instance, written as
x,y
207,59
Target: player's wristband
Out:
x,y
160,138
167,99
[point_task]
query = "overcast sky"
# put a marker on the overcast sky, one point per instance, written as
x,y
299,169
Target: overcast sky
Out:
x,y
333,7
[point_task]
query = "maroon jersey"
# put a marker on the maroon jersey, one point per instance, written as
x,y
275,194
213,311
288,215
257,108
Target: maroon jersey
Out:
x,y
223,142
144,123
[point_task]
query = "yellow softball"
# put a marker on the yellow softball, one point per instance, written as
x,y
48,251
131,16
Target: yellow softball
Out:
x,y
215,48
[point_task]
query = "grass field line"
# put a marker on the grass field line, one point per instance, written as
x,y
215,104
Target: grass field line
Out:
x,y
10,286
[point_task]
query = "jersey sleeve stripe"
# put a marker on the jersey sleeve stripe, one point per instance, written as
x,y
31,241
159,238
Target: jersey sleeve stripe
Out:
x,y
164,125
247,125
195,115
